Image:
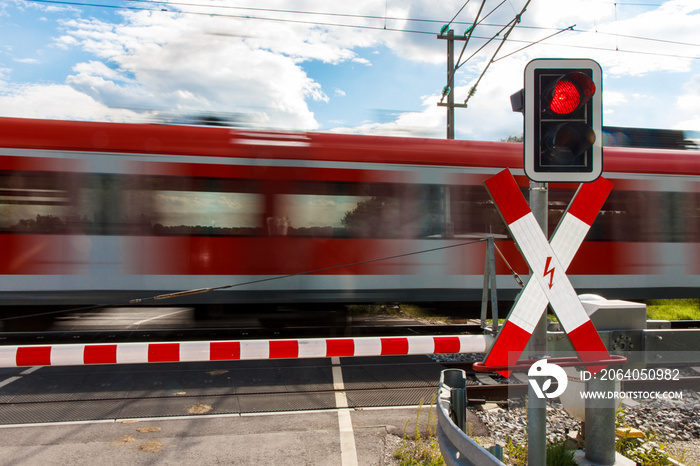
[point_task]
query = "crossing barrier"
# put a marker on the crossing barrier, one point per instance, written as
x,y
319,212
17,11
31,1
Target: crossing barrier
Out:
x,y
197,351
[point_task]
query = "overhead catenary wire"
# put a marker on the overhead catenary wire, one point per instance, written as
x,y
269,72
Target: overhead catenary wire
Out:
x,y
515,20
375,28
220,15
395,18
570,28
385,17
460,10
495,37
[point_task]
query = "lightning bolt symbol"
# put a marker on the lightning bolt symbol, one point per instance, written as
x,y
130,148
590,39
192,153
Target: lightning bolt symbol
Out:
x,y
549,272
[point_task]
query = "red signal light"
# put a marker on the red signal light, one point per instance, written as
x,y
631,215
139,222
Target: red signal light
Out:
x,y
569,93
565,98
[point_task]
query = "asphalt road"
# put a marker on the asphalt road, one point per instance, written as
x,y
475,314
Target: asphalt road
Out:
x,y
320,411
337,411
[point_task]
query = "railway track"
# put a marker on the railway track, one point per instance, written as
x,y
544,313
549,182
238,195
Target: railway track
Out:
x,y
58,394
248,333
483,387
212,334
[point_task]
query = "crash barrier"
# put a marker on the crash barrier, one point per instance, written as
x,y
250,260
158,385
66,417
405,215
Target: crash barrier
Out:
x,y
458,448
197,351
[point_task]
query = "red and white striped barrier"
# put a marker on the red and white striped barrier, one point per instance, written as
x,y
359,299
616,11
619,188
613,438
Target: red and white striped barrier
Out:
x,y
549,262
194,351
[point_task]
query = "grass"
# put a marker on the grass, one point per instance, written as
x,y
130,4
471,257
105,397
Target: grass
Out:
x,y
657,309
419,450
516,454
673,309
559,455
644,451
406,310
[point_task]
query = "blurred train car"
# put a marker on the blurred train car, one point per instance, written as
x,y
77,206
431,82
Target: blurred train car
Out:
x,y
94,213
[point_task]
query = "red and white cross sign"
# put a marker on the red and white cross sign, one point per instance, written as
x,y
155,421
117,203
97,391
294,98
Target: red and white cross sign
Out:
x,y
549,283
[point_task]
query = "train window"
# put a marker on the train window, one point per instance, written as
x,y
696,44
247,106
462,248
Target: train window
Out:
x,y
192,206
205,213
670,223
434,222
40,202
323,215
686,215
631,216
101,196
558,201
356,210
474,214
628,216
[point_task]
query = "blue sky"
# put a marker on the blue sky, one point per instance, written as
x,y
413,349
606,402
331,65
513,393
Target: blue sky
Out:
x,y
300,70
388,86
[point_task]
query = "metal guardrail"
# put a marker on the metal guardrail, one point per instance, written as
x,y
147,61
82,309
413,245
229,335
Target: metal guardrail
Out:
x,y
457,448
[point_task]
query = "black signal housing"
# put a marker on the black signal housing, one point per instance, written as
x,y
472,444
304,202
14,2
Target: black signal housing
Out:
x,y
563,120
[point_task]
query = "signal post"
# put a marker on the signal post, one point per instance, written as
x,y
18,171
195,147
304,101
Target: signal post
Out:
x,y
562,107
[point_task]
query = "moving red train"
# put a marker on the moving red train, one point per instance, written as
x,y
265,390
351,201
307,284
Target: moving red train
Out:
x,y
106,213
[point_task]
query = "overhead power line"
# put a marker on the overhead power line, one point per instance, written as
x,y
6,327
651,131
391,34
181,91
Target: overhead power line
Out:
x,y
457,14
570,28
234,16
396,18
515,21
356,26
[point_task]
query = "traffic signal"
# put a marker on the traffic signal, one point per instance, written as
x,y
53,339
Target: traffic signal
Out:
x,y
563,120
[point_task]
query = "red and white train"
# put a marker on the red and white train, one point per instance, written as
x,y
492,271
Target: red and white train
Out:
x,y
105,213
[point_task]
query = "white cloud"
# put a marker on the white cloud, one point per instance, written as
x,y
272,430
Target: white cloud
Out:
x,y
362,61
98,68
174,64
688,106
65,42
26,61
428,123
4,74
60,102
614,98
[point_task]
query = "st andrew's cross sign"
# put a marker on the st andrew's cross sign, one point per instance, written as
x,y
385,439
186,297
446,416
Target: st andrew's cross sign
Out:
x,y
548,262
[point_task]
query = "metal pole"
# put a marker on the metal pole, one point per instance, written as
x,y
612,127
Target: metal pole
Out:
x,y
446,193
600,423
537,347
490,287
536,428
451,94
538,204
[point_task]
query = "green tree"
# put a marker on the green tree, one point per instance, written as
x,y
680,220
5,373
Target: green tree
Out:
x,y
514,139
376,217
